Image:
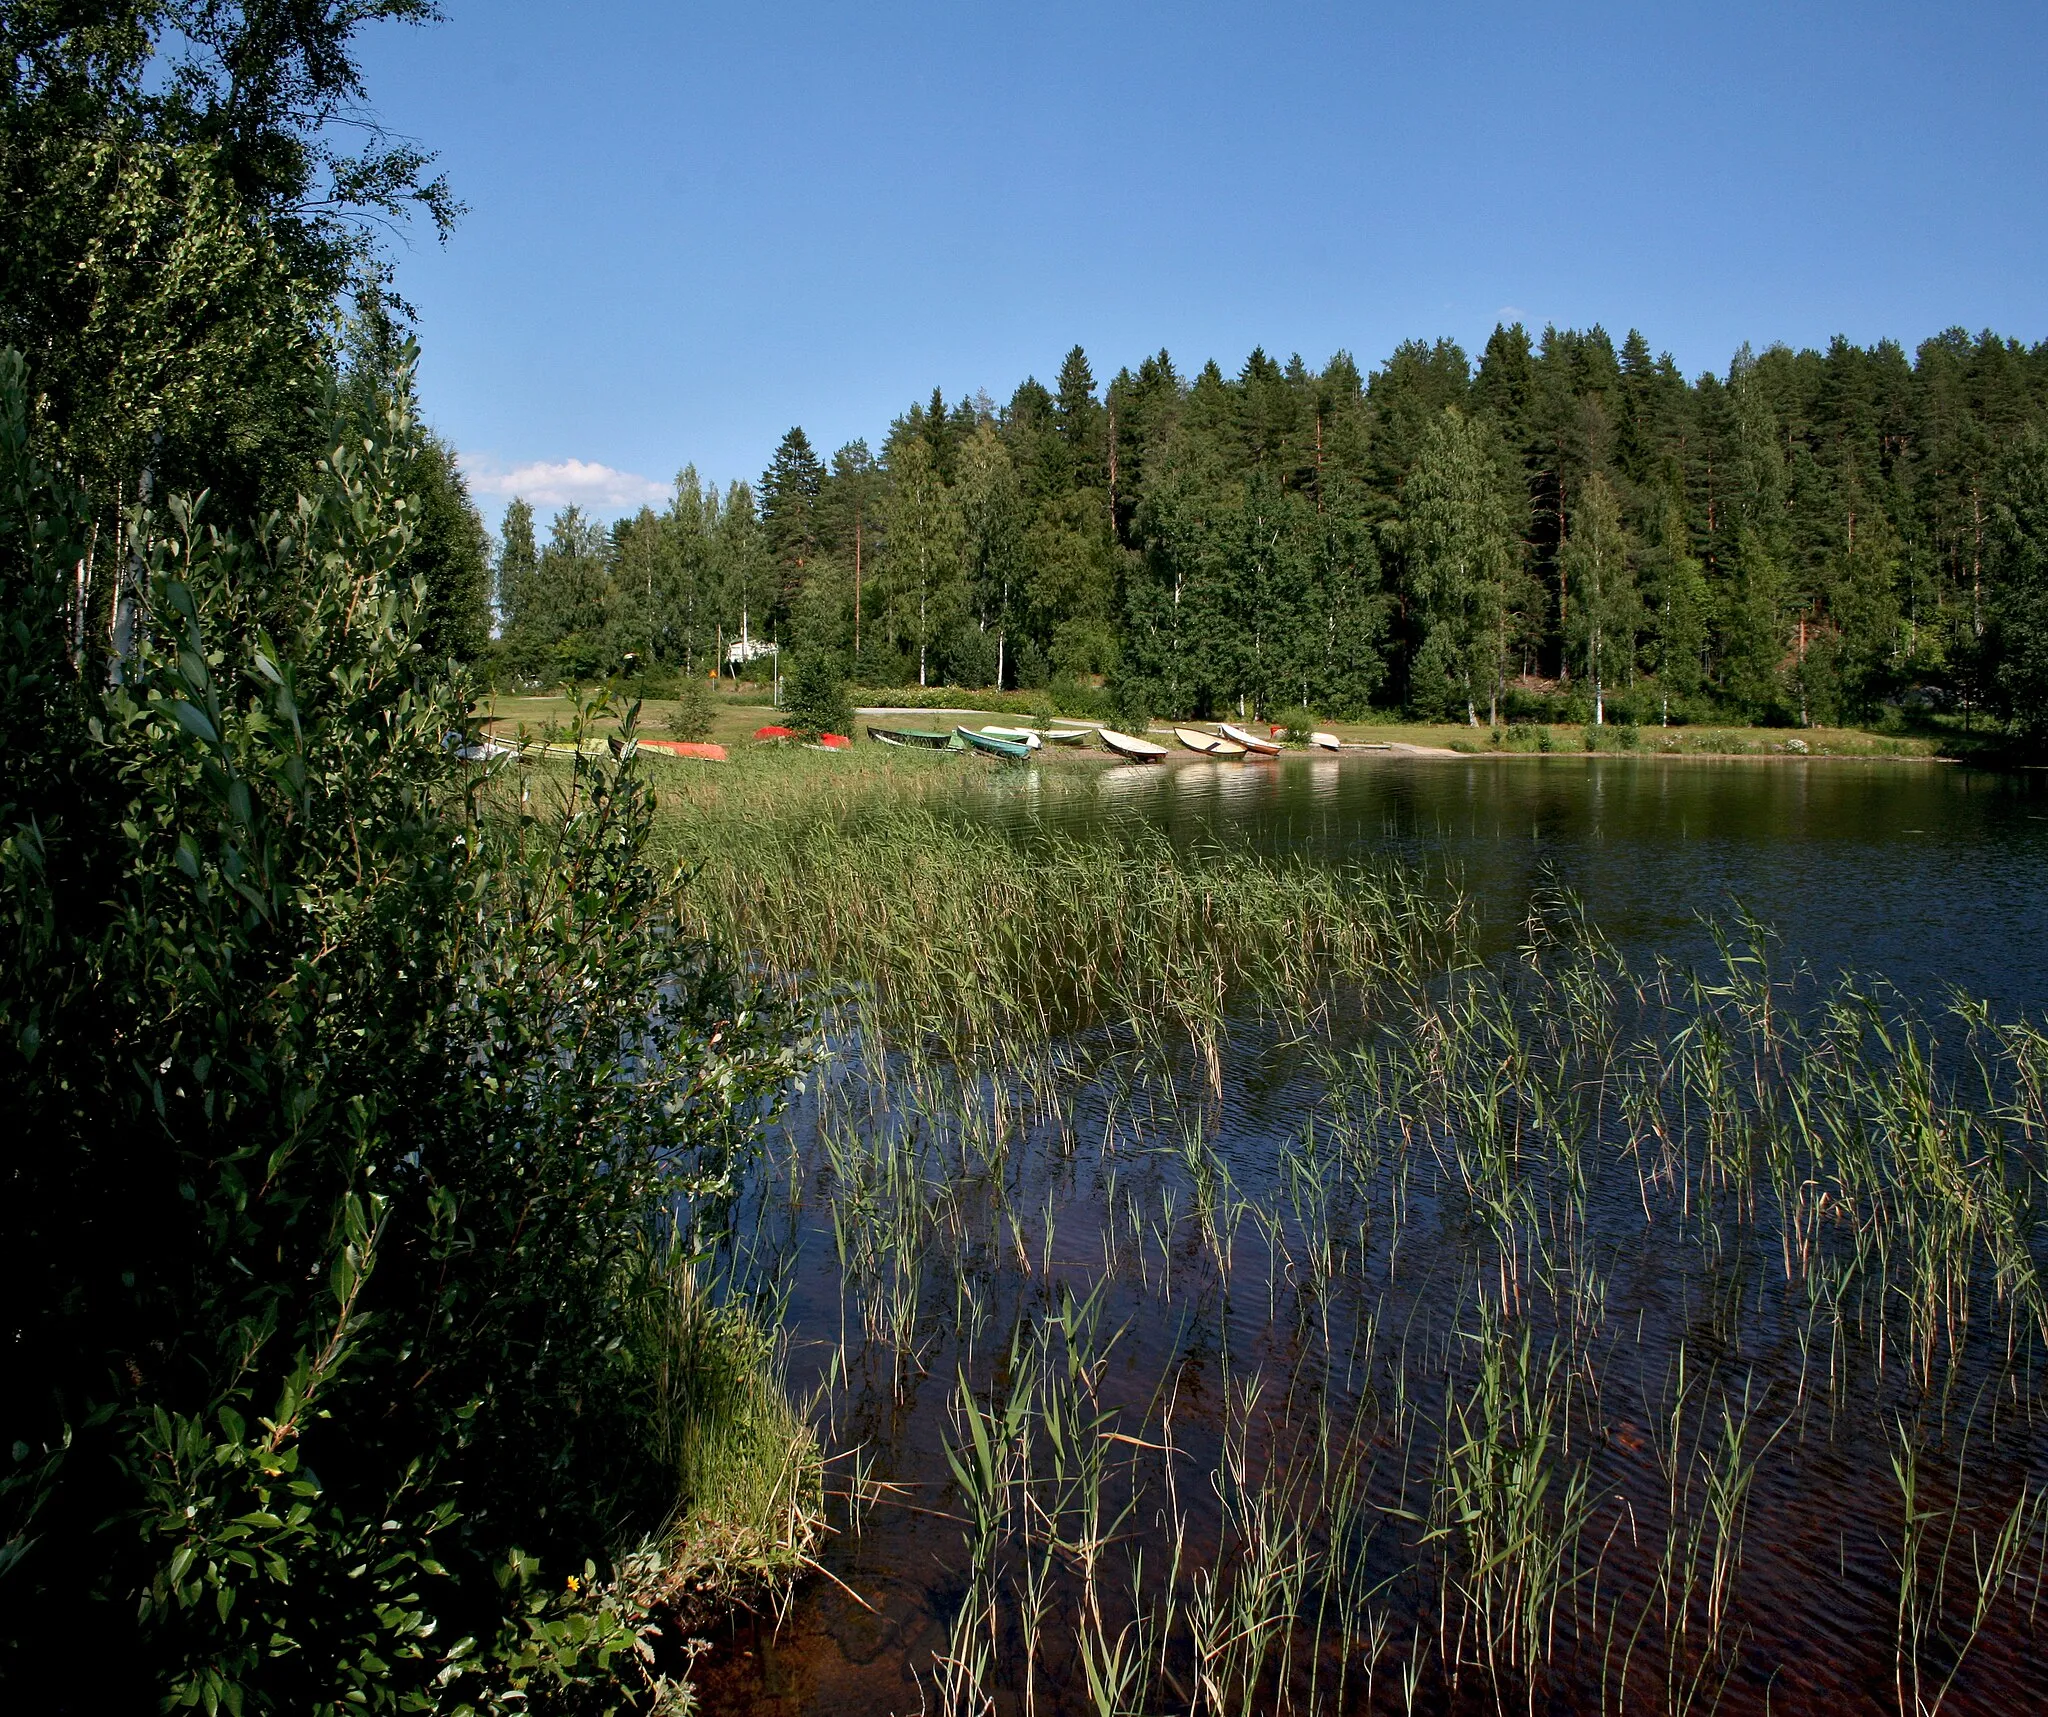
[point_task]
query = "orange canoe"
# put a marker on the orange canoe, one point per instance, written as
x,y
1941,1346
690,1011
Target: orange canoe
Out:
x,y
684,748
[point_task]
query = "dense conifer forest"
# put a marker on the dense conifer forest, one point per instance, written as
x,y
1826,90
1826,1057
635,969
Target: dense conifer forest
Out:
x,y
1564,529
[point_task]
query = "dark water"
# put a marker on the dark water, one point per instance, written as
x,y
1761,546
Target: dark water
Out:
x,y
1220,1355
1933,875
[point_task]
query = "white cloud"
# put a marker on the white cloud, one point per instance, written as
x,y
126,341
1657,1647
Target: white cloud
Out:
x,y
561,483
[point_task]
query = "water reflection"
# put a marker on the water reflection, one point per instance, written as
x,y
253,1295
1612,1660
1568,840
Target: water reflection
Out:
x,y
1935,875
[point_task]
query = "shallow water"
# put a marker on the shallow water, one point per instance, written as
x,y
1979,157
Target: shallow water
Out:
x,y
1303,1292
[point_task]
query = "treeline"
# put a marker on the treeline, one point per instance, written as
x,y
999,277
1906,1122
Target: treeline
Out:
x,y
1563,528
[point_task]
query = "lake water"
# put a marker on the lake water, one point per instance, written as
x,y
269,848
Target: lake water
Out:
x,y
1933,875
1252,1338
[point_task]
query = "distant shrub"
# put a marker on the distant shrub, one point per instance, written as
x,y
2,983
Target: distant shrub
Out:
x,y
1076,697
817,696
690,718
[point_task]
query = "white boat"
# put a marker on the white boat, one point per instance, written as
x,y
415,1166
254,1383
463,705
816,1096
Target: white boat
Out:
x,y
1226,748
1024,735
1250,741
1066,735
1195,740
1125,745
1325,741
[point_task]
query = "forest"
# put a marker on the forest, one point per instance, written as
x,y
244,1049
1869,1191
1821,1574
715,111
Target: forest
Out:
x,y
1565,530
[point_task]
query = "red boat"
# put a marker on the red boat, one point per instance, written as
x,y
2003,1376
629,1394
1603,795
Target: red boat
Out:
x,y
685,748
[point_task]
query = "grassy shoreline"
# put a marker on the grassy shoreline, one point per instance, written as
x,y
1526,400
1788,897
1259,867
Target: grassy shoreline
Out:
x,y
733,723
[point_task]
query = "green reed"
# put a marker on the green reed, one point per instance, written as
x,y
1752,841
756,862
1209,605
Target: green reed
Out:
x,y
1410,1487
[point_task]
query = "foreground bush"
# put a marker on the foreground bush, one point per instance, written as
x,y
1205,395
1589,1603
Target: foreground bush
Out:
x,y
352,1125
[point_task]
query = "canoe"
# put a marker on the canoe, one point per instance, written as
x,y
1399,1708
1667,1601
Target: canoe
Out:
x,y
1325,741
1250,741
1066,736
1195,740
1022,735
1124,745
835,741
936,740
775,732
685,748
1015,750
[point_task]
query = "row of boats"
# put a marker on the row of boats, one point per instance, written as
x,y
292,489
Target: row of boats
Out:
x,y
1018,743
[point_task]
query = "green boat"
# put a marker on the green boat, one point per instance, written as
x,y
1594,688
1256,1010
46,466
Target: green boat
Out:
x,y
1014,749
924,736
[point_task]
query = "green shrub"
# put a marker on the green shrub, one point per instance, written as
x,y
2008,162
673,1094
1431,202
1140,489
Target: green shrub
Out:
x,y
817,701
360,1089
690,717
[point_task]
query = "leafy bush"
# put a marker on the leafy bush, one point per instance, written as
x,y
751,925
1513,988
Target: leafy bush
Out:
x,y
362,1092
690,718
817,697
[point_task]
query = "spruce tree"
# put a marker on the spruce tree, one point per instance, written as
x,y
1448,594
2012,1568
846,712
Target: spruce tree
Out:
x,y
790,490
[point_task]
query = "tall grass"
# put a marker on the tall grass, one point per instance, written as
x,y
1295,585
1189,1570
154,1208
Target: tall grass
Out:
x,y
950,927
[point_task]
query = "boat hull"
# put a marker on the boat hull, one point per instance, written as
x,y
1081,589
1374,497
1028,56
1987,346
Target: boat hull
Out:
x,y
910,736
1011,750
1250,741
1128,745
1195,740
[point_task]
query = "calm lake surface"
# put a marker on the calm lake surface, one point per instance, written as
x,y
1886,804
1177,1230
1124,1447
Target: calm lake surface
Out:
x,y
1274,1310
1932,875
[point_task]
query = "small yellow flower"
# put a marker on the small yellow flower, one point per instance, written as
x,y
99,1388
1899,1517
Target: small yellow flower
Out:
x,y
575,1584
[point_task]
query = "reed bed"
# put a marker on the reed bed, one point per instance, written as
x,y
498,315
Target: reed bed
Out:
x,y
1254,1303
946,926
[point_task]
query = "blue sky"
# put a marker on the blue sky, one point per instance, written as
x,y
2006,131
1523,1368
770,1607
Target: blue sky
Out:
x,y
691,227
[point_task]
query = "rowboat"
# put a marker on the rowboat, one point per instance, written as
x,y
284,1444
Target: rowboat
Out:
x,y
1066,736
1196,740
1013,749
1250,741
1226,748
1023,735
1325,741
773,732
1137,750
925,736
685,748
